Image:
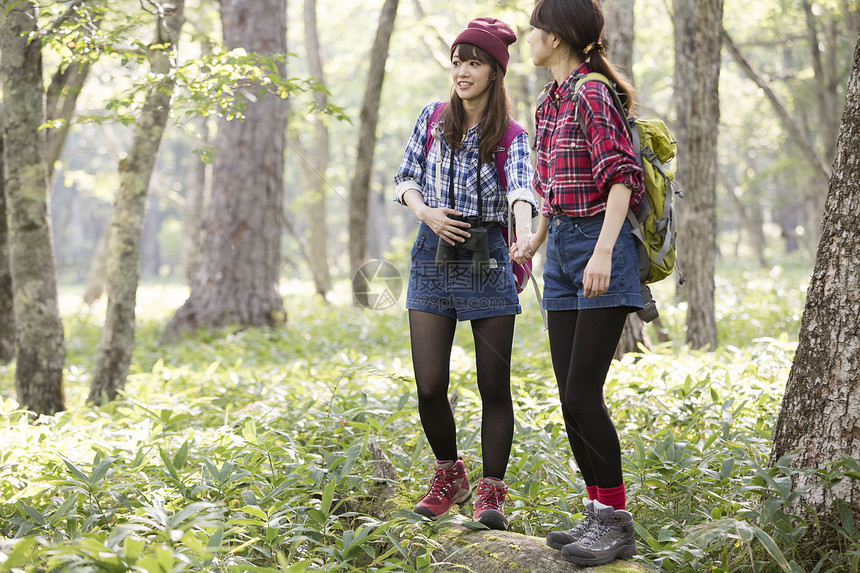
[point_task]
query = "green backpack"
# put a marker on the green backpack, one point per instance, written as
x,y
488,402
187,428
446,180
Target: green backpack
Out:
x,y
654,225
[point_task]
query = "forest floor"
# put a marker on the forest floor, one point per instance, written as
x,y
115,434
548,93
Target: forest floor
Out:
x,y
248,450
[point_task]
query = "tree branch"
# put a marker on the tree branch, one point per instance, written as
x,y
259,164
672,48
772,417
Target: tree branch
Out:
x,y
821,169
66,15
439,52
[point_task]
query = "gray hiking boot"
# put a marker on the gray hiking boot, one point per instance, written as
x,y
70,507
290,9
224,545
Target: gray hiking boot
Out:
x,y
558,539
611,537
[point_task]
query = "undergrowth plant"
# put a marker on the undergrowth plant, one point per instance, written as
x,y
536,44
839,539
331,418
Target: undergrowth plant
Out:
x,y
247,450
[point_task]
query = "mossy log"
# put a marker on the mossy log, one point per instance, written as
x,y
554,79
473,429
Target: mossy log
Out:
x,y
507,552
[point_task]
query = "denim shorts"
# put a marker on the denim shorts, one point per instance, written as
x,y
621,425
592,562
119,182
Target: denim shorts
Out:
x,y
570,244
454,290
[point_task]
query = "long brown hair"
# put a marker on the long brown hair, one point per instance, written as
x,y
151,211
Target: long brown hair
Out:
x,y
579,23
497,114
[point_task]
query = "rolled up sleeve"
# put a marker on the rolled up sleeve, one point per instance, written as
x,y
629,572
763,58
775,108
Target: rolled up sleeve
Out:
x,y
612,157
520,173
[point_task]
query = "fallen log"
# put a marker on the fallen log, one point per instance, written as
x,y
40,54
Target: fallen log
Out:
x,y
487,551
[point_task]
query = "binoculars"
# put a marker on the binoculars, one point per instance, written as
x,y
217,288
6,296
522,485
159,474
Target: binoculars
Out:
x,y
478,244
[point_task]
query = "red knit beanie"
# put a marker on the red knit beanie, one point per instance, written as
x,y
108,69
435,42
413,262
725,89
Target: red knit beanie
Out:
x,y
491,35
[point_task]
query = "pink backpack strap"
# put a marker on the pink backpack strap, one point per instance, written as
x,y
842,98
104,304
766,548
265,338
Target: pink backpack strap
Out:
x,y
434,118
514,129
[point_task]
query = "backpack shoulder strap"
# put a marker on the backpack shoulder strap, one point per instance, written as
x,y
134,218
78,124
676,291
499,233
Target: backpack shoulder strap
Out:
x,y
594,76
433,128
541,98
433,122
501,155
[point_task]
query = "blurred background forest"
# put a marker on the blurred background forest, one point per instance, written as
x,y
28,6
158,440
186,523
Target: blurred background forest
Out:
x,y
249,449
769,196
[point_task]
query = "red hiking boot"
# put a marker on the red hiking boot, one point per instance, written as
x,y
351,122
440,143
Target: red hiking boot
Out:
x,y
490,505
449,485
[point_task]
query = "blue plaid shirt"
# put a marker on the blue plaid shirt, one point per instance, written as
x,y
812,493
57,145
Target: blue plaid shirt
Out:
x,y
418,171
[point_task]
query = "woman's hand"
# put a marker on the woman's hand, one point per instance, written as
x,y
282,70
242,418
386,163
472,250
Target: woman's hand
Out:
x,y
595,280
526,246
440,222
524,249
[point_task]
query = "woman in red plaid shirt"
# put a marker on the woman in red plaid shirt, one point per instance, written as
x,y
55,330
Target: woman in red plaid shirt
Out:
x,y
588,181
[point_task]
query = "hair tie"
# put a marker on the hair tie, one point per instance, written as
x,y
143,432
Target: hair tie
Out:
x,y
594,46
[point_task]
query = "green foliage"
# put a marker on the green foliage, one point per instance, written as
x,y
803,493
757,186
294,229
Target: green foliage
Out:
x,y
247,450
218,83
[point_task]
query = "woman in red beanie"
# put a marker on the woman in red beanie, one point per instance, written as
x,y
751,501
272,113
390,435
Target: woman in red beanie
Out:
x,y
461,268
589,177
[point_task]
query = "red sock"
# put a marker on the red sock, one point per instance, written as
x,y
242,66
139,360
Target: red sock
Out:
x,y
591,490
613,496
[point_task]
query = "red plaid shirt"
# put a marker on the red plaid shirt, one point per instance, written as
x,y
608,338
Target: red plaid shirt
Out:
x,y
574,173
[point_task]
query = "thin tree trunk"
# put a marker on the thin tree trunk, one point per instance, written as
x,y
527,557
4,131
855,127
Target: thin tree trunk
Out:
x,y
40,345
788,219
62,97
196,198
754,231
314,169
359,192
95,284
821,408
237,282
150,249
632,337
124,243
7,317
697,75
851,16
436,45
826,84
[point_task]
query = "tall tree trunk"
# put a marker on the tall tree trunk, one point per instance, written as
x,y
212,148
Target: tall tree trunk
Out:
x,y
237,282
40,346
7,317
135,171
697,57
313,170
359,192
821,408
618,30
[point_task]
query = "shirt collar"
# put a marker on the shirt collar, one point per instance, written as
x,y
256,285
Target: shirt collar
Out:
x,y
568,85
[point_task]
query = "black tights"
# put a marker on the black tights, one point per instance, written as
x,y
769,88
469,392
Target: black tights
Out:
x,y
582,343
432,336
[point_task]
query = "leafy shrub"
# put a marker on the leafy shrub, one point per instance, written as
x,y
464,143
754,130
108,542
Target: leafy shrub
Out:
x,y
248,450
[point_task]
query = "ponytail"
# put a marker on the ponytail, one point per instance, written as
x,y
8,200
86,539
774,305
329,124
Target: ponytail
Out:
x,y
600,63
